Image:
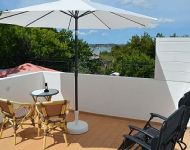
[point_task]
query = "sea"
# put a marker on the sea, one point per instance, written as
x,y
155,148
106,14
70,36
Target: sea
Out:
x,y
97,48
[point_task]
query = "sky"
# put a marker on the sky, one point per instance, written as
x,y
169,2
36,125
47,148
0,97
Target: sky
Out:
x,y
173,17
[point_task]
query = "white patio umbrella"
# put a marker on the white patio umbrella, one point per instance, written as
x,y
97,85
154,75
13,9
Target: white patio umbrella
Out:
x,y
75,14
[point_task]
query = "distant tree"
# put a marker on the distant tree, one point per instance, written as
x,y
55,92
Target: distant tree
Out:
x,y
159,35
14,47
173,35
136,58
19,45
186,35
147,45
139,65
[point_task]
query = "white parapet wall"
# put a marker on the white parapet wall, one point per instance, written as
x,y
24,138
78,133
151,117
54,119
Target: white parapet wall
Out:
x,y
109,95
119,96
18,88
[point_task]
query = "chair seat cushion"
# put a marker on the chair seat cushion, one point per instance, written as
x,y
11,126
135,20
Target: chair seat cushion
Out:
x,y
55,119
21,112
150,130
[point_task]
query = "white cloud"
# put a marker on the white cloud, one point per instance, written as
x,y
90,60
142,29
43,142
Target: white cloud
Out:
x,y
104,34
166,20
88,32
92,31
82,33
162,21
138,3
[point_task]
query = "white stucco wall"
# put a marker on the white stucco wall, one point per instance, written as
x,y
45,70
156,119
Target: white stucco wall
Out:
x,y
54,79
18,88
119,96
173,65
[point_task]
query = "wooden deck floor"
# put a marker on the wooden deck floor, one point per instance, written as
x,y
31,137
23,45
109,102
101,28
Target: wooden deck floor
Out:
x,y
105,133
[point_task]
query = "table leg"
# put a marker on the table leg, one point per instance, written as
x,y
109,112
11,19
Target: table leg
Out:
x,y
39,125
48,98
34,98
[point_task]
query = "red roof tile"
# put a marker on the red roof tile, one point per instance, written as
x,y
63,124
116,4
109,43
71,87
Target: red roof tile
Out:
x,y
22,69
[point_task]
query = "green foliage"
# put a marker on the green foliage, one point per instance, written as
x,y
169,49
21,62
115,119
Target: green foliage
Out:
x,y
47,43
19,45
137,65
14,48
134,59
159,35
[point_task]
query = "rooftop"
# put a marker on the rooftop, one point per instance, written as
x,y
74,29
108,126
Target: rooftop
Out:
x,y
122,97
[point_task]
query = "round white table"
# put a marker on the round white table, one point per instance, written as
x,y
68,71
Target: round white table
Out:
x,y
41,93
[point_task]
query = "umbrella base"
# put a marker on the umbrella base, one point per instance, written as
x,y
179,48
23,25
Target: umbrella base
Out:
x,y
77,127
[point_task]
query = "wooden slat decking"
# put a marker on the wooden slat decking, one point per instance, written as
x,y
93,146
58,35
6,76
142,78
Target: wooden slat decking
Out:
x,y
105,133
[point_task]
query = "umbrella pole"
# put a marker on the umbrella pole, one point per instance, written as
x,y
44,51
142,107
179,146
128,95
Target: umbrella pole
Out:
x,y
76,64
77,126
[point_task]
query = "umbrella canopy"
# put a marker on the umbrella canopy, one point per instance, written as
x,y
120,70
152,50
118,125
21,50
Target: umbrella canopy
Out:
x,y
61,14
75,14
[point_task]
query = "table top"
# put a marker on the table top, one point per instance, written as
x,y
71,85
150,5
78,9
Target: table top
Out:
x,y
41,93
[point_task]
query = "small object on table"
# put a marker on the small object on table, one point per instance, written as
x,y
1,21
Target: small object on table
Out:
x,y
46,88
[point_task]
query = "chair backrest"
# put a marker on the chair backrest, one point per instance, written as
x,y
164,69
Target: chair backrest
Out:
x,y
185,100
6,107
169,131
53,108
